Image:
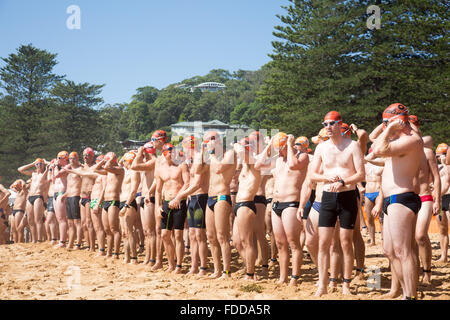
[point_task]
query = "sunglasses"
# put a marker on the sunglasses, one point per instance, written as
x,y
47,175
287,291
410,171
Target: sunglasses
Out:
x,y
331,123
71,158
61,158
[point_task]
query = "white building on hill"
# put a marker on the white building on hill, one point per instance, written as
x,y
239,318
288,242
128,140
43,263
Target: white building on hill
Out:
x,y
199,128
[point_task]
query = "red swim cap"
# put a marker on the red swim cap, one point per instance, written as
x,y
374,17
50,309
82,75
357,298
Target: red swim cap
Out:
x,y
211,135
159,135
345,130
167,149
88,151
393,112
129,156
99,158
414,120
149,147
189,143
111,156
245,142
332,115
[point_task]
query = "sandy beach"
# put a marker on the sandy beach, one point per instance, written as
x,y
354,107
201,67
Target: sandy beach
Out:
x,y
37,271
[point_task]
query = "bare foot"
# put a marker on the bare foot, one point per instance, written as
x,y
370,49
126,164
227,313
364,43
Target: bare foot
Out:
x,y
225,276
192,271
177,270
156,266
321,291
170,269
346,289
390,295
442,259
116,257
202,273
293,282
126,260
134,261
281,281
251,278
215,275
100,254
59,245
272,263
426,278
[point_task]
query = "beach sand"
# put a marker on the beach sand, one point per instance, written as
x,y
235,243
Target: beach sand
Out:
x,y
37,271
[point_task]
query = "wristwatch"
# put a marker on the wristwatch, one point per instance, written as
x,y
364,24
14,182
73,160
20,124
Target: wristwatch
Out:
x,y
342,181
127,205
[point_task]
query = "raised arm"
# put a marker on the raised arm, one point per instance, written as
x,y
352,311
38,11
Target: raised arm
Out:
x,y
432,163
363,137
228,160
376,133
26,169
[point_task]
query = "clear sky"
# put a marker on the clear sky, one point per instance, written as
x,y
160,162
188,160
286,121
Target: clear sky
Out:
x,y
130,44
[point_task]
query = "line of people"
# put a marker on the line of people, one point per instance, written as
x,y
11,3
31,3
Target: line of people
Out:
x,y
215,196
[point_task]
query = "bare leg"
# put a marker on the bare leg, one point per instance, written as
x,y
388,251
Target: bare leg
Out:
x,y
368,206
222,212
38,218
194,251
422,239
213,242
179,249
71,233
359,246
325,238
293,228
312,234
336,257
442,221
60,211
113,219
166,236
200,235
282,246
244,222
259,230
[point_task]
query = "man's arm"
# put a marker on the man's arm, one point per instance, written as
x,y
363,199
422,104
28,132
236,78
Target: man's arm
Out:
x,y
26,169
382,147
315,176
5,192
228,160
358,162
376,133
294,162
363,137
113,169
158,195
432,163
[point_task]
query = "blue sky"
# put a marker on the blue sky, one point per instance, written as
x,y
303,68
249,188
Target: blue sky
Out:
x,y
130,44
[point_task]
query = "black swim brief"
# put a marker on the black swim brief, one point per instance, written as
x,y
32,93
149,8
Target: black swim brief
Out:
x,y
86,200
338,204
32,199
14,211
409,199
278,207
213,200
197,211
249,204
268,201
73,208
109,203
57,194
132,204
260,199
173,218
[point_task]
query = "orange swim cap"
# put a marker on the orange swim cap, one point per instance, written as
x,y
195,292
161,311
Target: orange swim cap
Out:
x,y
159,135
73,154
149,147
345,130
279,140
442,148
323,134
333,115
63,154
303,141
167,149
414,120
309,151
129,156
393,112
189,143
39,160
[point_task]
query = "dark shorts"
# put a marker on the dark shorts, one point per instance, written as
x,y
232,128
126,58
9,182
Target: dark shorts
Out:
x,y
173,218
132,204
278,207
73,207
197,211
409,199
260,199
249,204
445,202
109,203
213,200
84,201
338,204
32,199
50,207
308,206
15,211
